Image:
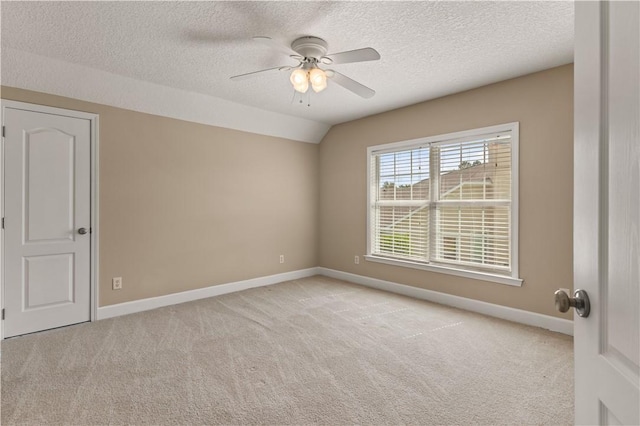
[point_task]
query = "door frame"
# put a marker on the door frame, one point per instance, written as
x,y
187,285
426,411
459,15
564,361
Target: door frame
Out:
x,y
94,198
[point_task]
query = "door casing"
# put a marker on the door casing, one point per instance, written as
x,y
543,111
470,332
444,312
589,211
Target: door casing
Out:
x,y
94,187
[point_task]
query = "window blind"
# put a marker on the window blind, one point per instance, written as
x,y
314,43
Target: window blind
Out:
x,y
402,199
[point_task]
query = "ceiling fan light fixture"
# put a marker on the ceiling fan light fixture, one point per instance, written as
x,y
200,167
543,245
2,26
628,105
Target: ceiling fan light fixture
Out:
x,y
318,80
300,80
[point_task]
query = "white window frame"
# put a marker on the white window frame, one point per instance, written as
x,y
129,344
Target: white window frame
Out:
x,y
467,135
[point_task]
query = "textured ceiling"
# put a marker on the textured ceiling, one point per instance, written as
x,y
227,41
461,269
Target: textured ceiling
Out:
x,y
428,49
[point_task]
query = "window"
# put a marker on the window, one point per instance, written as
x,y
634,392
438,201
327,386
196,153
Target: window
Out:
x,y
447,203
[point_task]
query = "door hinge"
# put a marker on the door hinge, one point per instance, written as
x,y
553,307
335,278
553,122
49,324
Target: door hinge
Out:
x,y
3,223
2,313
3,131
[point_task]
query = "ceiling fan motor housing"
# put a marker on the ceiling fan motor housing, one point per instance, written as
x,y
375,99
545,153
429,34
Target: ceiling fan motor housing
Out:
x,y
310,47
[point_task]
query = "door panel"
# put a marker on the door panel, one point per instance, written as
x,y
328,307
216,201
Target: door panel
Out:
x,y
48,280
47,199
49,210
607,211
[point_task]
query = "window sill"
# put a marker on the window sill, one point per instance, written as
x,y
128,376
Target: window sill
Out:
x,y
484,276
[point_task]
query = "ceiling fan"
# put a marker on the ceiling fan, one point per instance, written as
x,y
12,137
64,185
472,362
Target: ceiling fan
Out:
x,y
311,53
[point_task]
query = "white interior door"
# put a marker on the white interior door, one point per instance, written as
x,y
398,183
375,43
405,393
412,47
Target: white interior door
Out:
x,y
607,211
47,165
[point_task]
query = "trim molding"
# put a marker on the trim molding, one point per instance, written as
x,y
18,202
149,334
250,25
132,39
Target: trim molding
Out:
x,y
24,70
504,312
134,306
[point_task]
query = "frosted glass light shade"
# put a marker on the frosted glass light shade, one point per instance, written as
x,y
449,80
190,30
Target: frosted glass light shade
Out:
x,y
318,79
300,81
302,87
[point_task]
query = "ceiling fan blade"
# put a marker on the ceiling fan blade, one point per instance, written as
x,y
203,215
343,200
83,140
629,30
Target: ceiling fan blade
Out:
x,y
255,73
358,55
352,85
269,42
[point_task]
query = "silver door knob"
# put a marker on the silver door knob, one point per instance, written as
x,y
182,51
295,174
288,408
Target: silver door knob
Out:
x,y
580,301
82,231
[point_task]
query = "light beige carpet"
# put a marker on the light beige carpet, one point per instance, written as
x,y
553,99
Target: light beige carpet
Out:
x,y
315,350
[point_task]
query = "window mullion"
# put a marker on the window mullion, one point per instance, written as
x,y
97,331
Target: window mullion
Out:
x,y
434,195
375,194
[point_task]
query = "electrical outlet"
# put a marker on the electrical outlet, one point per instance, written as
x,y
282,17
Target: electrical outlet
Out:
x,y
117,283
356,260
282,258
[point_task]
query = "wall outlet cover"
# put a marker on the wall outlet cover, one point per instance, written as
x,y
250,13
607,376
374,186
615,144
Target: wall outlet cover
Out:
x,y
116,283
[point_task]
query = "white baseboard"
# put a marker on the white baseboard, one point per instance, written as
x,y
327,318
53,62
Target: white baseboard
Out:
x,y
511,314
110,311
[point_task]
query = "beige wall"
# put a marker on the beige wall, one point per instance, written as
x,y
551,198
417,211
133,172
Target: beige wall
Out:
x,y
185,205
543,104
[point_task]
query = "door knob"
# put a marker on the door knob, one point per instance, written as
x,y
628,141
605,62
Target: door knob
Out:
x,y
580,301
82,231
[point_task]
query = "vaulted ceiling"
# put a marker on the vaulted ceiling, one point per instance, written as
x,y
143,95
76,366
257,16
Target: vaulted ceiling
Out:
x,y
428,49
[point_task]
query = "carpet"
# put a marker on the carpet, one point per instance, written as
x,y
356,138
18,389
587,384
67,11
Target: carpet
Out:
x,y
308,351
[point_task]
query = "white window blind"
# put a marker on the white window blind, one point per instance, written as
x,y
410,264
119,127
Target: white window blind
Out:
x,y
446,200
